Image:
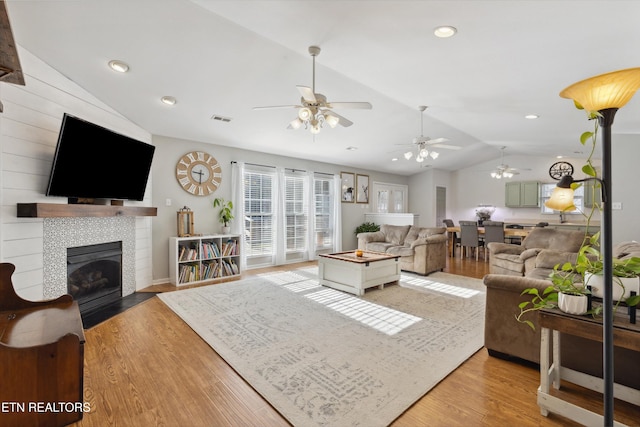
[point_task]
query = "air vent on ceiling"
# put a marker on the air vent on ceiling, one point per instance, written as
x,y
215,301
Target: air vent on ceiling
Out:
x,y
221,118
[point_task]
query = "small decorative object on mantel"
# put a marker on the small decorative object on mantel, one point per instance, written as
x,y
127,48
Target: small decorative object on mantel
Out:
x,y
185,222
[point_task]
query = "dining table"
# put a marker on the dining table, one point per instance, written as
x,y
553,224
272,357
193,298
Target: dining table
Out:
x,y
508,232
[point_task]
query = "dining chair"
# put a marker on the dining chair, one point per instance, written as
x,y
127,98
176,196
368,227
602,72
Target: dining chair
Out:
x,y
493,232
456,239
470,238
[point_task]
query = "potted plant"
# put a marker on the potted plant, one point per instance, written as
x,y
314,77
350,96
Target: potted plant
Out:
x,y
565,292
626,273
225,215
484,213
366,227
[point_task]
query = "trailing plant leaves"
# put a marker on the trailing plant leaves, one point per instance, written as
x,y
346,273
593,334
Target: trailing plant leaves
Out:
x,y
585,137
589,170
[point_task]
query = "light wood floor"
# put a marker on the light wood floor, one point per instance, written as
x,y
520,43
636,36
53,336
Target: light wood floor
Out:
x,y
146,367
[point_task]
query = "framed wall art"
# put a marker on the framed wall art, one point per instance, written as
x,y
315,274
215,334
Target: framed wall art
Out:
x,y
348,190
362,188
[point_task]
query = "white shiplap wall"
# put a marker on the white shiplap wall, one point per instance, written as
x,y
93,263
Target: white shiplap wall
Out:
x,y
29,130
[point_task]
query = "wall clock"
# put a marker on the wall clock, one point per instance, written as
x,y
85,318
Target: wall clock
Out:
x,y
560,169
198,173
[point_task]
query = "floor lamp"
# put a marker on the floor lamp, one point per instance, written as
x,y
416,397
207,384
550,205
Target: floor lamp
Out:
x,y
605,94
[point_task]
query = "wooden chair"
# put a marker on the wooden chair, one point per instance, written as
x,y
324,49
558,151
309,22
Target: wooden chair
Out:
x,y
41,355
470,238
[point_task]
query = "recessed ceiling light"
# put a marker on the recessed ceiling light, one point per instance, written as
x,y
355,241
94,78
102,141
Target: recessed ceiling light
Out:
x,y
395,159
118,66
352,148
445,31
169,100
531,116
559,157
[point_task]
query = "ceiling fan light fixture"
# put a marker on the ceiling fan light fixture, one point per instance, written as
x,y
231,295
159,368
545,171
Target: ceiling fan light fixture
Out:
x,y
296,124
331,120
423,152
419,159
408,155
434,155
304,113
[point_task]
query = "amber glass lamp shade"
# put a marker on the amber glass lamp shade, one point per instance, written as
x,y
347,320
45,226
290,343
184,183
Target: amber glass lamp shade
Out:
x,y
561,200
610,90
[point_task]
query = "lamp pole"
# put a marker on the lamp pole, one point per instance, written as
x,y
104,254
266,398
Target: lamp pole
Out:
x,y
606,242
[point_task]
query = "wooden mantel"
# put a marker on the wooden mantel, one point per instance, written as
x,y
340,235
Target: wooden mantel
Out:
x,y
60,210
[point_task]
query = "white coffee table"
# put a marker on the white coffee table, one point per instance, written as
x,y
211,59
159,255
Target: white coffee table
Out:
x,y
347,272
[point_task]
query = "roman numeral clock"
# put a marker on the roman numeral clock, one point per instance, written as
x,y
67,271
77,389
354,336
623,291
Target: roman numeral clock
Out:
x,y
198,173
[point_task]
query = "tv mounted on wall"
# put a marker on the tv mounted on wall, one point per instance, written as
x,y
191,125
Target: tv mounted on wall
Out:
x,y
92,162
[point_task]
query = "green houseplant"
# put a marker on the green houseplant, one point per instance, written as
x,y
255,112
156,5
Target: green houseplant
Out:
x,y
225,215
366,227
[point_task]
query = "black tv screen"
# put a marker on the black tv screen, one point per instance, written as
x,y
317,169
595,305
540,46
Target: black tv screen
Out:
x,y
96,163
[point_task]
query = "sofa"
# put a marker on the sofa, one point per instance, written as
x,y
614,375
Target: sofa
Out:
x,y
422,250
559,246
505,337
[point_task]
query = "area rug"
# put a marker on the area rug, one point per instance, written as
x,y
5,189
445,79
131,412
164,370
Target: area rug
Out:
x,y
328,358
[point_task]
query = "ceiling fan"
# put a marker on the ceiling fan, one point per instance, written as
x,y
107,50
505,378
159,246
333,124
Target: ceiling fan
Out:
x,y
424,143
314,109
503,170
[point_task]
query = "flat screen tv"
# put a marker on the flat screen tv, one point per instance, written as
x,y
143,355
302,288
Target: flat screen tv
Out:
x,y
92,162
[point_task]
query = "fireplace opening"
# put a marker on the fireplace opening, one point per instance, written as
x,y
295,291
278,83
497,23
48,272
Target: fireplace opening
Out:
x,y
94,275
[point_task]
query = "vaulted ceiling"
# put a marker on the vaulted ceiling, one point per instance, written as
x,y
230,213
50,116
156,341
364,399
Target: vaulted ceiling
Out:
x,y
222,58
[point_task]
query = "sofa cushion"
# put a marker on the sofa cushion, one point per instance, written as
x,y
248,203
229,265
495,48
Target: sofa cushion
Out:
x,y
549,258
395,233
558,240
412,235
379,246
626,249
400,250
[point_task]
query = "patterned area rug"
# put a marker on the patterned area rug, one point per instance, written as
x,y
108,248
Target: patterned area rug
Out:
x,y
324,357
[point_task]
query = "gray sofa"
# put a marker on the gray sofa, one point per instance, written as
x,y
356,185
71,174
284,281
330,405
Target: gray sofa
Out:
x,y
422,250
527,259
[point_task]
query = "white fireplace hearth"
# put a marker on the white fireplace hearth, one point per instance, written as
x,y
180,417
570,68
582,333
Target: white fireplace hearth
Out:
x,y
62,233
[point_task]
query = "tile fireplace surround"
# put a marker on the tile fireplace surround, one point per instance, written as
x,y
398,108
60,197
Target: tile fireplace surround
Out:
x,y
62,233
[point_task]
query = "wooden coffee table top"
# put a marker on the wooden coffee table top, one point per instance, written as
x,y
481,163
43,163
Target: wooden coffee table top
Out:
x,y
367,256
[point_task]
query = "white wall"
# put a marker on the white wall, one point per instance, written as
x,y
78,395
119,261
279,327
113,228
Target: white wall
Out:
x,y
625,177
165,186
422,194
29,130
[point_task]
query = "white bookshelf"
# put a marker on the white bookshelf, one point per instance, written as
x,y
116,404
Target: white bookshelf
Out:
x,y
200,259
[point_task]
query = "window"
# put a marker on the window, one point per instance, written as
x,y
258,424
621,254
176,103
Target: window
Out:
x,y
258,210
324,224
289,216
296,218
389,198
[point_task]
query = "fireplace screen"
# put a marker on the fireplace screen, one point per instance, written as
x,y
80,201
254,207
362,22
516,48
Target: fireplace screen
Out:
x,y
94,275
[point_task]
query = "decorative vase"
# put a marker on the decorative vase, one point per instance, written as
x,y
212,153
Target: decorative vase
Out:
x,y
226,230
622,286
572,304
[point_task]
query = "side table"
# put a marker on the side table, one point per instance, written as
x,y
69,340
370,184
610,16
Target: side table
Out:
x,y
552,323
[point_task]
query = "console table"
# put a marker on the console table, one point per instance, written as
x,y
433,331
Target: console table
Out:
x,y
552,323
41,358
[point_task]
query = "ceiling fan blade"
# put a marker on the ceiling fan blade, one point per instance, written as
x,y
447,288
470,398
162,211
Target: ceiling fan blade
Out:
x,y
436,140
355,105
276,106
343,120
446,146
307,94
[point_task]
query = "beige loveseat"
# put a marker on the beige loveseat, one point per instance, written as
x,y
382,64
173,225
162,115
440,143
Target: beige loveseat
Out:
x,y
528,259
422,250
